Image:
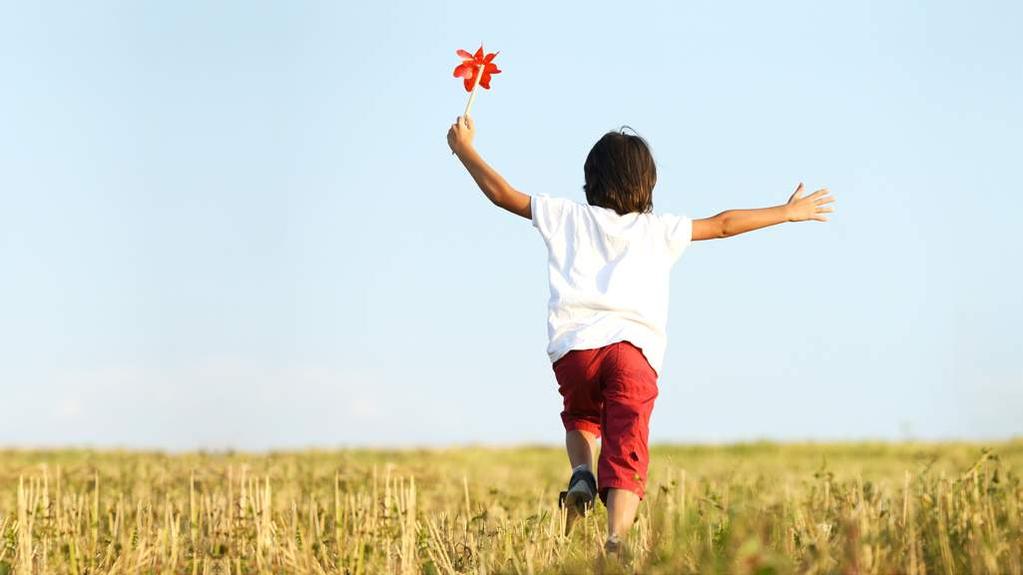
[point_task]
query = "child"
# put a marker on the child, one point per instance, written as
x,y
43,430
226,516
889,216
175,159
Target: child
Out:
x,y
608,266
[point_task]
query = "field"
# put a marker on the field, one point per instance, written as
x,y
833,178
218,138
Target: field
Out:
x,y
751,508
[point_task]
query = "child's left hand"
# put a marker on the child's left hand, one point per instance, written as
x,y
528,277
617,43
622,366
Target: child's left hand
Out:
x,y
461,134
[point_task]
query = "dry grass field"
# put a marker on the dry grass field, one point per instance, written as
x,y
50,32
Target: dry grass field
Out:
x,y
752,508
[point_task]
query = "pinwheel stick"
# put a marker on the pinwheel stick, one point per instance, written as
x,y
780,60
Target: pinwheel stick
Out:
x,y
472,95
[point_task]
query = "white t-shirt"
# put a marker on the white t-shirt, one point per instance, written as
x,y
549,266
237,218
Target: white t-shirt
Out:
x,y
608,275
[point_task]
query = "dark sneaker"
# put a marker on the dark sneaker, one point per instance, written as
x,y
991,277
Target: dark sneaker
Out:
x,y
613,545
578,500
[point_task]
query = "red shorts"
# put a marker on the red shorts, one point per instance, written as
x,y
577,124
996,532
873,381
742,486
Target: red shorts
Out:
x,y
610,392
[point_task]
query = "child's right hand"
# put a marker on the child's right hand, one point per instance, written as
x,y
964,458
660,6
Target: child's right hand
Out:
x,y
733,222
812,207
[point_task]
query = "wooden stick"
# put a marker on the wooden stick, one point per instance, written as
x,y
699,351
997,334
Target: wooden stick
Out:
x,y
472,95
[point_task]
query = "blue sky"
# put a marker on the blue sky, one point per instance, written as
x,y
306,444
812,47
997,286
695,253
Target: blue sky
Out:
x,y
238,224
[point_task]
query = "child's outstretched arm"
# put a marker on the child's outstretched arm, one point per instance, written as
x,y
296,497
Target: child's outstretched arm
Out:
x,y
734,222
493,185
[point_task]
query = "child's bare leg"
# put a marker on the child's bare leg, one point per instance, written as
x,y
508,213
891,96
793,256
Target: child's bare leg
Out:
x,y
580,446
582,485
621,511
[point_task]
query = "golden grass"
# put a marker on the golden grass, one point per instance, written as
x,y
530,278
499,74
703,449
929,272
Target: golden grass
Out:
x,y
753,508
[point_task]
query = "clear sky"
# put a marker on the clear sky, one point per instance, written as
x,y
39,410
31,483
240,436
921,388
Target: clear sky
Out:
x,y
237,224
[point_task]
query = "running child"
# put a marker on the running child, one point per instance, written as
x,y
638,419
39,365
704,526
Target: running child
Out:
x,y
609,262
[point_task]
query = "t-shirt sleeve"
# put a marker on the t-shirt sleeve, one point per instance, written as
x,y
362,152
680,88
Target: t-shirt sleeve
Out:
x,y
549,214
678,234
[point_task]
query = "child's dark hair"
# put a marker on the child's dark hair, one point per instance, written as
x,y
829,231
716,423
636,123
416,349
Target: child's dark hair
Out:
x,y
620,173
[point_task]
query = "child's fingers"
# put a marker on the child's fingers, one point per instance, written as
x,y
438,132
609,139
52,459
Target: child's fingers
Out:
x,y
825,200
469,122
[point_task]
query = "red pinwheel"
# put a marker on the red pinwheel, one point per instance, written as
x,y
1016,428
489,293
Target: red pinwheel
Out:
x,y
475,70
473,63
